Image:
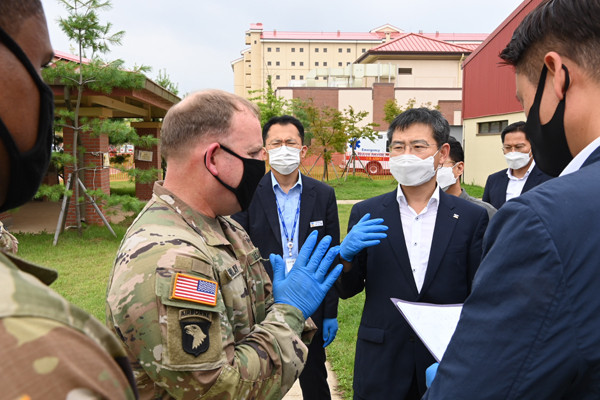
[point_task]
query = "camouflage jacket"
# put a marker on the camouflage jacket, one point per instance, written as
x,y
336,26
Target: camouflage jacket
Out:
x,y
50,348
221,337
8,243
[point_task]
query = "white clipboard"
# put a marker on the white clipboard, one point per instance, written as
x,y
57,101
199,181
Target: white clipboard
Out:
x,y
433,323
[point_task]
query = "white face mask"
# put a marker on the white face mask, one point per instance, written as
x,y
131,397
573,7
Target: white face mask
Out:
x,y
516,160
284,159
445,177
410,170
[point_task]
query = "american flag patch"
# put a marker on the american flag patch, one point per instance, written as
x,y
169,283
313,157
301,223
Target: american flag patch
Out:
x,y
194,289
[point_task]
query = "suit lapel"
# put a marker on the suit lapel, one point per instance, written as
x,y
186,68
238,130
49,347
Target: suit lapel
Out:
x,y
268,204
307,204
594,157
445,223
395,238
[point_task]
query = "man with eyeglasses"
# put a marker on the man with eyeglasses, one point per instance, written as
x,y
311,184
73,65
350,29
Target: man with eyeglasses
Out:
x,y
521,175
286,207
448,176
431,253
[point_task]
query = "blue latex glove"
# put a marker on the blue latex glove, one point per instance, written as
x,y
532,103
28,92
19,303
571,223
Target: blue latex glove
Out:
x,y
430,374
308,282
367,232
330,328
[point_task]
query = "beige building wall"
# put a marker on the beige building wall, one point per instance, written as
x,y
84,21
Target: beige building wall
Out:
x,y
425,72
483,152
360,100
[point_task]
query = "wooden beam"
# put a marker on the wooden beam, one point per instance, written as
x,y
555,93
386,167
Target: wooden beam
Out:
x,y
118,105
97,112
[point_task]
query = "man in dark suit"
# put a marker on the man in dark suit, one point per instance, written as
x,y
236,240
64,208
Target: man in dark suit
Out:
x,y
530,329
521,175
286,207
431,253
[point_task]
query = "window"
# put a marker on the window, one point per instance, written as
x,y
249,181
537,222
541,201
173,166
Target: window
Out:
x,y
301,77
302,63
325,63
277,63
339,64
268,49
276,49
276,76
255,42
316,78
491,127
293,49
348,63
324,49
293,63
316,49
339,49
364,50
404,71
316,63
293,77
348,50
301,49
268,63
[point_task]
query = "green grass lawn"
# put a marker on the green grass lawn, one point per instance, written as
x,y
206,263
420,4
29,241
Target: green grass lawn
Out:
x,y
85,263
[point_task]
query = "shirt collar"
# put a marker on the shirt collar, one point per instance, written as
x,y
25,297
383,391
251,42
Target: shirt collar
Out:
x,y
580,158
435,197
275,184
514,178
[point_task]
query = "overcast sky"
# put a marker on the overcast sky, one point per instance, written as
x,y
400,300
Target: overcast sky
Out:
x,y
196,40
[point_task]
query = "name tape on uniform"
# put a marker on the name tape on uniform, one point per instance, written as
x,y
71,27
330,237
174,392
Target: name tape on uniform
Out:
x,y
314,224
194,289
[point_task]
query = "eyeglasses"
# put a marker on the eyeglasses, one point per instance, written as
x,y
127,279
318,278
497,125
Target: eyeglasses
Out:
x,y
278,143
415,148
519,148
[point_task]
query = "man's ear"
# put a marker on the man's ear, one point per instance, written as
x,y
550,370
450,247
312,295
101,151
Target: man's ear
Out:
x,y
459,168
303,151
554,63
209,158
444,153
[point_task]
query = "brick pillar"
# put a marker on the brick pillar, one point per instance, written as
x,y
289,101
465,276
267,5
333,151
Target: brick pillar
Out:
x,y
143,191
382,92
94,176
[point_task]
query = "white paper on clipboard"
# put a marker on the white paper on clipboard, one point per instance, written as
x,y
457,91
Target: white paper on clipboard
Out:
x,y
433,323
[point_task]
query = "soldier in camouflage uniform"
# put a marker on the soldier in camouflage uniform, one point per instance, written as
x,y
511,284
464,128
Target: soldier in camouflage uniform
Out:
x,y
188,294
49,348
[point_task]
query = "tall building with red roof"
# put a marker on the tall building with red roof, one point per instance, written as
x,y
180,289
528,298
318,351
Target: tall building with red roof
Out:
x,y
358,69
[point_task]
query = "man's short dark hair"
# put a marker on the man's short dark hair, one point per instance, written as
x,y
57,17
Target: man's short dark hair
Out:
x,y
569,27
514,127
456,151
283,120
13,12
433,118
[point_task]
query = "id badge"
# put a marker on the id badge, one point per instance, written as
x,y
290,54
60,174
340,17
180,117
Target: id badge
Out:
x,y
289,263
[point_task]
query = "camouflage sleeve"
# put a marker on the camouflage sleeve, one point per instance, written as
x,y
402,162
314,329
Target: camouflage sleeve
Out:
x,y
48,360
190,350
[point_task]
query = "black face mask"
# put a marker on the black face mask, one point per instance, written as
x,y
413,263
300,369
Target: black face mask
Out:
x,y
28,169
548,142
254,170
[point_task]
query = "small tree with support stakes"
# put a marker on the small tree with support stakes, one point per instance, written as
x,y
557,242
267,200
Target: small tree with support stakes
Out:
x,y
355,132
82,26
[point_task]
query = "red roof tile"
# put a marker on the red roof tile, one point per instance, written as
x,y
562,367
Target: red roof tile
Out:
x,y
415,43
